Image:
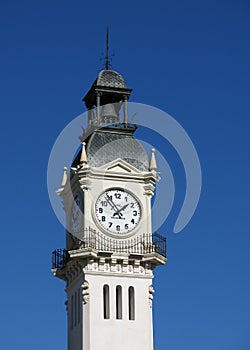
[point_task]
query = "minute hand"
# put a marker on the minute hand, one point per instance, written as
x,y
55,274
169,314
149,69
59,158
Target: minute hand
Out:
x,y
114,207
119,210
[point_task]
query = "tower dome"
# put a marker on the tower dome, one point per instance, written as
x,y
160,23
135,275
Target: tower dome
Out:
x,y
110,78
108,144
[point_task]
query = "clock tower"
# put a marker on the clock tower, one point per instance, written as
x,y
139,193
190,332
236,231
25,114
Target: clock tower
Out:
x,y
111,251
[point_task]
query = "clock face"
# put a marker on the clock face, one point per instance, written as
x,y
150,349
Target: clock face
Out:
x,y
76,215
118,211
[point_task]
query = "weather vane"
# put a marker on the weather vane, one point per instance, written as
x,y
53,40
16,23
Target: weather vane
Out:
x,y
107,57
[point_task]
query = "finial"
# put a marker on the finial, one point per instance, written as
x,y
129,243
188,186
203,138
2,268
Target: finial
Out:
x,y
64,178
107,58
107,49
83,159
153,165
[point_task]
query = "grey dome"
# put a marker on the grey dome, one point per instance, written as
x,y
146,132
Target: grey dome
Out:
x,y
110,78
104,147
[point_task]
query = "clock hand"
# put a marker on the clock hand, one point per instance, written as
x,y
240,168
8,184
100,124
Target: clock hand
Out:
x,y
113,206
111,203
119,210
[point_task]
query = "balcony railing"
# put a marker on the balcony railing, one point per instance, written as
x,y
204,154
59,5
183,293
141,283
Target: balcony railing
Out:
x,y
60,257
91,239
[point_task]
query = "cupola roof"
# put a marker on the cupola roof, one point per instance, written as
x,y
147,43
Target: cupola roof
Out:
x,y
108,144
110,86
110,78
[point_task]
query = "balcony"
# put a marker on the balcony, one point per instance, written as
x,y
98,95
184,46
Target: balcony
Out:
x,y
93,240
60,257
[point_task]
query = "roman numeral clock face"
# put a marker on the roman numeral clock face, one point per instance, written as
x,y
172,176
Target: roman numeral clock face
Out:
x,y
118,211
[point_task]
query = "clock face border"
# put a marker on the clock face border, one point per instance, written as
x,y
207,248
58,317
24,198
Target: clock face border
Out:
x,y
116,234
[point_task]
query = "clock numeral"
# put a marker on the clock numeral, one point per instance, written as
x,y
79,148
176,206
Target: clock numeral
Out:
x,y
110,224
109,197
126,226
133,221
103,218
100,210
118,227
132,205
134,213
117,195
126,199
104,203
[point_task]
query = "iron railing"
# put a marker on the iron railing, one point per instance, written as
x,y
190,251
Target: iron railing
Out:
x,y
60,257
159,243
91,239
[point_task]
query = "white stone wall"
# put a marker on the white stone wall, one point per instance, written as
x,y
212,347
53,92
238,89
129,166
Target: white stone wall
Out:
x,y
74,314
113,334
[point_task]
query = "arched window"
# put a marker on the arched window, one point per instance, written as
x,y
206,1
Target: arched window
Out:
x,y
118,302
131,303
106,309
79,305
75,309
72,312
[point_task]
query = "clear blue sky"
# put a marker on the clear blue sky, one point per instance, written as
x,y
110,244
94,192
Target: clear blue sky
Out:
x,y
189,58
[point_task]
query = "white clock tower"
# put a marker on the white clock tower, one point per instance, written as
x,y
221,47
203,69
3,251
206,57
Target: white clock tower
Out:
x,y
111,251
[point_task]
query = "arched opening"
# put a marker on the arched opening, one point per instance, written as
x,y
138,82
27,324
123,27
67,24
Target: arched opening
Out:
x,y
72,312
106,308
75,309
131,303
79,306
118,302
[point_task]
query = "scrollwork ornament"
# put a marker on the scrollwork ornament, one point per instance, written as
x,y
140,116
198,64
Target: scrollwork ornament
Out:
x,y
66,305
85,292
150,295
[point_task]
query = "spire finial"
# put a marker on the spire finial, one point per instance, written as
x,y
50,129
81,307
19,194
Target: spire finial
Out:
x,y
107,59
153,165
64,178
83,159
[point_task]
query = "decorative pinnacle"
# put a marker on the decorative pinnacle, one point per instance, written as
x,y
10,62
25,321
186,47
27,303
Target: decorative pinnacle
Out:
x,y
64,178
83,159
107,58
153,165
107,63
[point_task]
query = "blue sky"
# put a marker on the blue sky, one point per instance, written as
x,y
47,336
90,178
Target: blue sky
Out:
x,y
192,60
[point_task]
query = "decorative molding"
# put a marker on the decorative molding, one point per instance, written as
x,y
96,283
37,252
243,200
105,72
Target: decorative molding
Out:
x,y
150,295
119,265
118,268
130,269
73,271
141,270
149,189
95,266
66,305
85,183
85,292
107,267
119,165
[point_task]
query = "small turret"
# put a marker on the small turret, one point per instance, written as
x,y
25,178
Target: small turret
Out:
x,y
83,159
105,98
153,165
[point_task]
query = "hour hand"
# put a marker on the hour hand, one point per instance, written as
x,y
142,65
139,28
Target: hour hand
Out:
x,y
118,212
124,207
